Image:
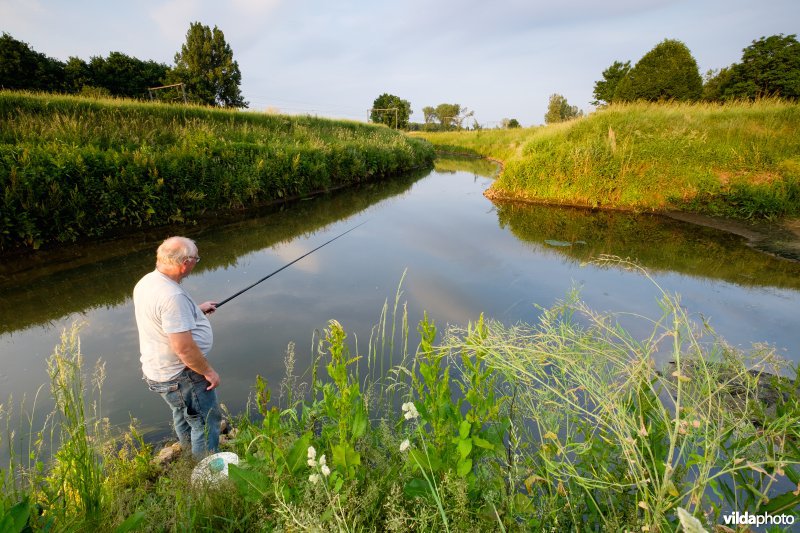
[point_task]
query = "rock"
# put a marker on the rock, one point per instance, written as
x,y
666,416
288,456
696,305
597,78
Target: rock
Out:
x,y
170,452
167,454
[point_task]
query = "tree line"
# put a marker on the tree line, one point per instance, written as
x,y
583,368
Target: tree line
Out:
x,y
204,72
770,67
395,112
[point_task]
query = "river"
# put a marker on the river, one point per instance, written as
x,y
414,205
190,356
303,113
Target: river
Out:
x,y
461,255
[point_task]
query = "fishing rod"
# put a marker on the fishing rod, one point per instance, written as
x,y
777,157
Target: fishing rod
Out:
x,y
287,265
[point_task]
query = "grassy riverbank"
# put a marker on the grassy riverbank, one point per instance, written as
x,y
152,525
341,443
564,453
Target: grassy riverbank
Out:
x,y
738,160
73,167
563,425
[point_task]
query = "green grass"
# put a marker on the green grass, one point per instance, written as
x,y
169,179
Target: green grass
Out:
x,y
502,144
73,167
740,159
564,424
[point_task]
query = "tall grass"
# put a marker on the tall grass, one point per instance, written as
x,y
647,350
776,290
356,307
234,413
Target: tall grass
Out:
x,y
738,159
566,424
621,444
75,486
70,492
73,167
503,144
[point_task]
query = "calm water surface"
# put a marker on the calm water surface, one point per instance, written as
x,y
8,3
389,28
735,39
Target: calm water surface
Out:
x,y
462,256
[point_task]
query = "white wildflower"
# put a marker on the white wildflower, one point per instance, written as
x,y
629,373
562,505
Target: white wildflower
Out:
x,y
312,457
322,460
404,445
325,470
410,411
314,478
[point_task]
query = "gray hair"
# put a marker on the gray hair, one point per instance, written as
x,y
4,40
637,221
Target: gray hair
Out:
x,y
175,250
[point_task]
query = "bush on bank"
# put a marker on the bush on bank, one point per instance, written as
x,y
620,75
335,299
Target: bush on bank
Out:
x,y
739,160
74,167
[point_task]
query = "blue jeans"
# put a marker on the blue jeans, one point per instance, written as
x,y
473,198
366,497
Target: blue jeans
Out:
x,y
195,410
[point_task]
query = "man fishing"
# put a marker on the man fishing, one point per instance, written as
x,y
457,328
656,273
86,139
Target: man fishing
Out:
x,y
175,338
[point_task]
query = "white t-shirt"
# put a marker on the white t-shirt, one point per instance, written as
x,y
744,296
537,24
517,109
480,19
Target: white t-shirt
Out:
x,y
163,307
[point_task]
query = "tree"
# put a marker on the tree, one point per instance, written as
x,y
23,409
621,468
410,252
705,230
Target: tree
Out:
x,y
510,123
23,68
429,113
604,89
119,75
123,75
390,110
770,67
77,75
667,72
559,110
206,67
447,115
715,82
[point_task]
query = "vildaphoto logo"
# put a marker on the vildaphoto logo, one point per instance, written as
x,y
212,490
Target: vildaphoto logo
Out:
x,y
747,519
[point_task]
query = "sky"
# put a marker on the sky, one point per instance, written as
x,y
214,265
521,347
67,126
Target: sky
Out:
x,y
501,59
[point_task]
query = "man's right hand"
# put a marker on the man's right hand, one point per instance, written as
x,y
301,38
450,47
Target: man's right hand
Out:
x,y
187,351
213,379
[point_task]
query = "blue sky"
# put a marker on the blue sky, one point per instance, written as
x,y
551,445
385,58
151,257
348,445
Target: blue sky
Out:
x,y
501,59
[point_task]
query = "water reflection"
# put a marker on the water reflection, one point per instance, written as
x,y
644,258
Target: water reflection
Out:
x,y
658,243
49,285
476,166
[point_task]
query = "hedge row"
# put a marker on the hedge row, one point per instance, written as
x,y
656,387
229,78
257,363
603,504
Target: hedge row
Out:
x,y
73,168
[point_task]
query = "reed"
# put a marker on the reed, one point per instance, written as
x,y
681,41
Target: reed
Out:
x,y
75,484
621,444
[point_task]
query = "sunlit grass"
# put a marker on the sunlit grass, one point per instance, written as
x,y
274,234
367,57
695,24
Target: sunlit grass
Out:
x,y
737,159
73,167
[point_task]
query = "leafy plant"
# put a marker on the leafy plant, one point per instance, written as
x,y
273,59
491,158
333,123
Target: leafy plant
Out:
x,y
342,403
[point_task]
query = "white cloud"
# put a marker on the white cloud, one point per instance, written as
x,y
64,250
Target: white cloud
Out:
x,y
254,7
173,18
291,251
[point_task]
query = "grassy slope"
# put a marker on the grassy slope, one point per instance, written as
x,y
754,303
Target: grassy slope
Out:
x,y
74,167
739,160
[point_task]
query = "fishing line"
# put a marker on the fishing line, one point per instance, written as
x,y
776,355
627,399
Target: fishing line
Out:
x,y
229,298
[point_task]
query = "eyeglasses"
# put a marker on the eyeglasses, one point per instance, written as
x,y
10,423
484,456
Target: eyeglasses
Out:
x,y
196,259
